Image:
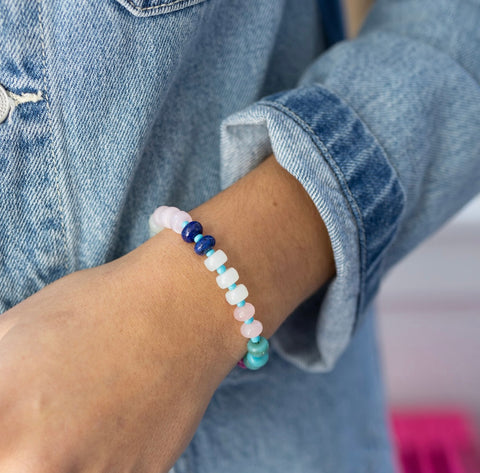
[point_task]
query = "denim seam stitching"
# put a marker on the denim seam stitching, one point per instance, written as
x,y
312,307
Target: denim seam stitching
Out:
x,y
52,148
343,182
161,7
384,151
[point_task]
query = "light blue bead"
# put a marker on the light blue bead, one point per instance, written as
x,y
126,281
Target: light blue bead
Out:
x,y
210,252
241,303
249,321
221,269
185,222
255,339
232,287
198,237
255,362
259,348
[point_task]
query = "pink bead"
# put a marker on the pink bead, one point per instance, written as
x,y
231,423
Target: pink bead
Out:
x,y
245,312
252,330
177,220
157,216
167,215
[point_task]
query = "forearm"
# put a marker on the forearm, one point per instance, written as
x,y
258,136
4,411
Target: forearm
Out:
x,y
272,234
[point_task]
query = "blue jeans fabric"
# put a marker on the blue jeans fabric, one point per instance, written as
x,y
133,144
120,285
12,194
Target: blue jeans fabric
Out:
x,y
159,102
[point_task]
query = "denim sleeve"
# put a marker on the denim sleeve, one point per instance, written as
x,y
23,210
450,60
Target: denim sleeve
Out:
x,y
383,133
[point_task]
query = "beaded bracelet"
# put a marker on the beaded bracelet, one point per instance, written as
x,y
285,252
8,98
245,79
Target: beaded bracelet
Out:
x,y
191,231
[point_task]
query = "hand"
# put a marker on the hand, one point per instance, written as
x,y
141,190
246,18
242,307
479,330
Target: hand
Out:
x,y
111,369
92,379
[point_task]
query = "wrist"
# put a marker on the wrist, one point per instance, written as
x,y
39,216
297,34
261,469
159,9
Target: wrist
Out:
x,y
184,304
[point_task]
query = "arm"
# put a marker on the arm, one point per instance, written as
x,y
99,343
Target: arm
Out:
x,y
115,365
382,132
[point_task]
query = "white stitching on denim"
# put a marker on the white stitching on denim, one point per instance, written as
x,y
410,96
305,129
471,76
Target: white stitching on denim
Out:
x,y
52,148
157,6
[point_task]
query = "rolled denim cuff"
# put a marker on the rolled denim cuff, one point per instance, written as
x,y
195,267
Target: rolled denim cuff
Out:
x,y
323,143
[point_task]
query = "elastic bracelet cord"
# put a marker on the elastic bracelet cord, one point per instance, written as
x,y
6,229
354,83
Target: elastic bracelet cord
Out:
x,y
181,222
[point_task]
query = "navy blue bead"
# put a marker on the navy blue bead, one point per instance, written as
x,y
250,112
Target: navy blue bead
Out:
x,y
191,230
205,244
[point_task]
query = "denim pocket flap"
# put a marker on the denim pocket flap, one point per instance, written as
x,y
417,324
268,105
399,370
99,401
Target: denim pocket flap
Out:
x,y
156,7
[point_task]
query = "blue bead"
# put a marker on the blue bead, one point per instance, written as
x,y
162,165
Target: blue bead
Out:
x,y
258,348
204,244
209,252
249,321
255,339
198,237
185,222
191,230
241,303
255,362
232,287
221,269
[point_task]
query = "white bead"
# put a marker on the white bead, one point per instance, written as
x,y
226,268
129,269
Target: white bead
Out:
x,y
236,295
154,226
216,260
227,278
167,215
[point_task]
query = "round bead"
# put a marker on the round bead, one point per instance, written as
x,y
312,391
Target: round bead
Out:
x,y
210,252
198,238
191,230
254,362
245,312
236,295
178,219
155,221
167,216
153,227
241,303
221,269
216,260
204,244
251,330
258,349
227,278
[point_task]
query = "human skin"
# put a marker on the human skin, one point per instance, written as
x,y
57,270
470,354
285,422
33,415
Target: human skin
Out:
x,y
111,368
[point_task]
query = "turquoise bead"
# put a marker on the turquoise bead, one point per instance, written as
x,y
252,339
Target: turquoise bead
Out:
x,y
259,348
185,222
221,269
255,362
241,303
249,321
255,339
232,287
198,237
210,252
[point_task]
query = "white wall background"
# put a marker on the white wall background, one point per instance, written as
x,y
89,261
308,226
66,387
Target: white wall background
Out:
x,y
429,319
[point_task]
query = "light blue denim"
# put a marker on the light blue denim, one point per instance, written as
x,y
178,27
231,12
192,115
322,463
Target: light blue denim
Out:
x,y
161,102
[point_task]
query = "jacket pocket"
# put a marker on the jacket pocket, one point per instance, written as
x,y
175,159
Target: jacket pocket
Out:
x,y
156,7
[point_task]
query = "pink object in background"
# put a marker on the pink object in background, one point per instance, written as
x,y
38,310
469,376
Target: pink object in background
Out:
x,y
440,441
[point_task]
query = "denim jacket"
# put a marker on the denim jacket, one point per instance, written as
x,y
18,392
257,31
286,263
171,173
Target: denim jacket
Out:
x,y
117,107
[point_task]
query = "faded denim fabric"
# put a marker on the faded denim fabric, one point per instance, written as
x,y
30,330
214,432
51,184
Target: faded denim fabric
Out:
x,y
142,103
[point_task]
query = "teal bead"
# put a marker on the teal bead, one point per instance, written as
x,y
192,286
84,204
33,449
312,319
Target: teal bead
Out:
x,y
210,252
232,287
185,222
249,321
198,237
255,339
241,303
259,348
255,362
221,269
